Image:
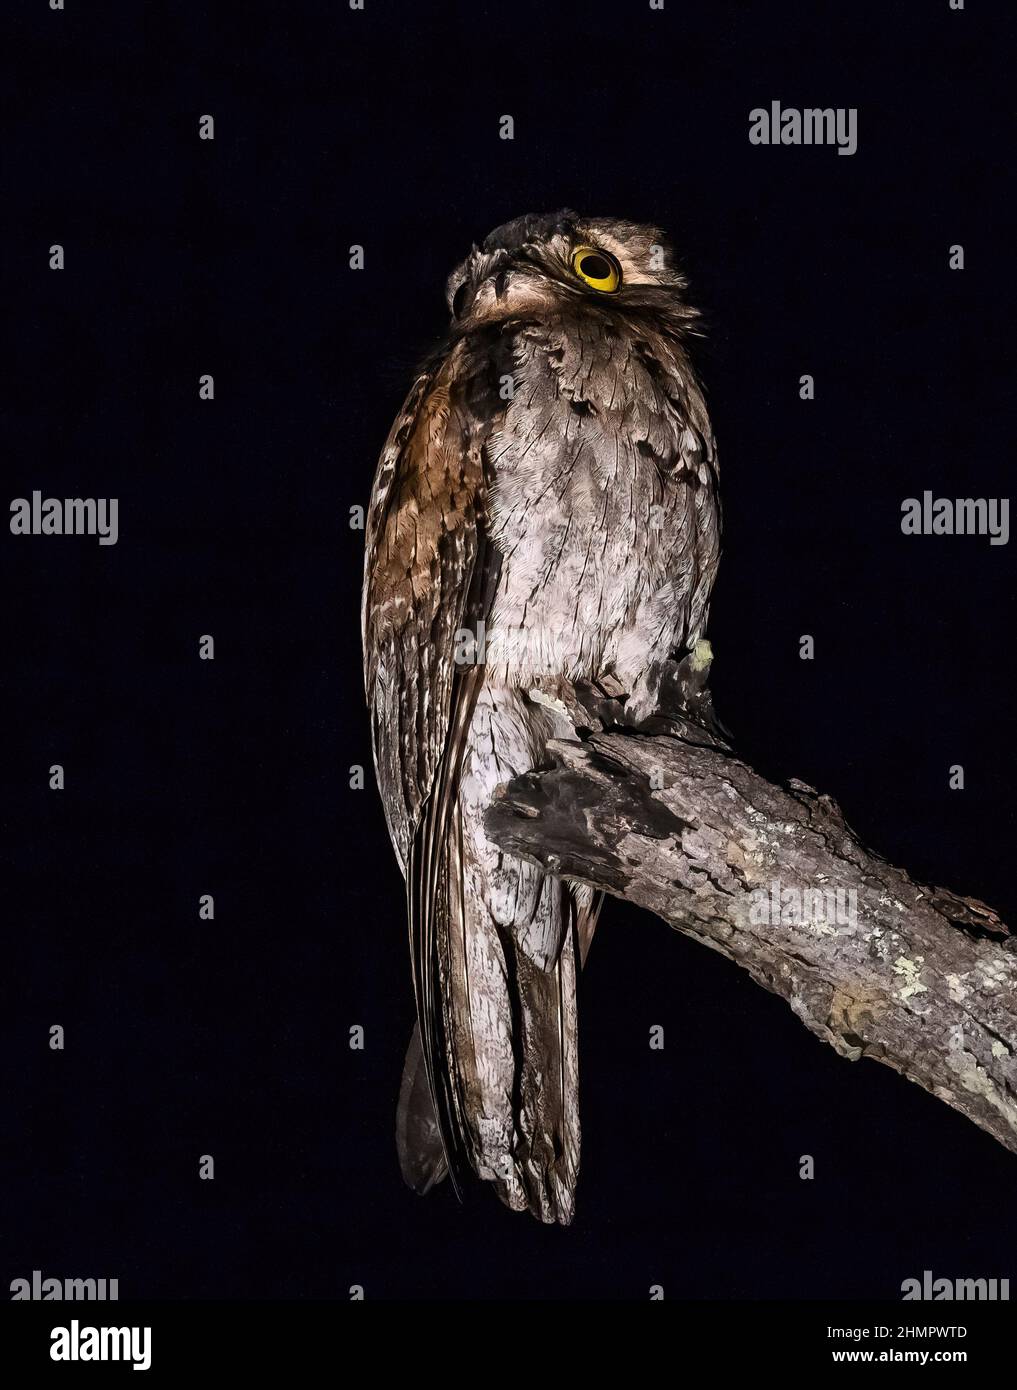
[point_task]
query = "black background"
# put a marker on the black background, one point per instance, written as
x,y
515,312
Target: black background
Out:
x,y
231,777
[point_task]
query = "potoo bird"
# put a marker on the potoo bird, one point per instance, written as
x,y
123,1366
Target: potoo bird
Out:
x,y
544,512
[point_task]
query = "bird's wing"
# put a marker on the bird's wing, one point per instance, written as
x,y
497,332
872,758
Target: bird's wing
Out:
x,y
424,549
429,574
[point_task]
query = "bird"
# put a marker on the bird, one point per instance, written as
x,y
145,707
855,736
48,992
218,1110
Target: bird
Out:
x,y
545,511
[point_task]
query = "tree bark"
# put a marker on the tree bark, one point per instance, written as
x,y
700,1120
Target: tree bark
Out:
x,y
663,815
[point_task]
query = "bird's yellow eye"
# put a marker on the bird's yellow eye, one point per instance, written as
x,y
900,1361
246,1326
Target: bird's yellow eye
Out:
x,y
597,268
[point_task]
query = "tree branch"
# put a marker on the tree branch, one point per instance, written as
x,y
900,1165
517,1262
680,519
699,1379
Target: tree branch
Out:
x,y
876,965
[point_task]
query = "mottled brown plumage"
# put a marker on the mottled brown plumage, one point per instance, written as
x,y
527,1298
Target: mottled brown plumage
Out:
x,y
544,511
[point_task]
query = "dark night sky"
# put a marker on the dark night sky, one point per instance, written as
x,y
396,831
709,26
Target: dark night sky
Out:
x,y
231,777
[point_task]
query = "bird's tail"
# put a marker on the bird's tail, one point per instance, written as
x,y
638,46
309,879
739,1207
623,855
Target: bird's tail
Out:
x,y
500,1096
495,944
545,1097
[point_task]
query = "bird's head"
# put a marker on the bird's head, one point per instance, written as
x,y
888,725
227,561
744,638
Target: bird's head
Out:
x,y
537,265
